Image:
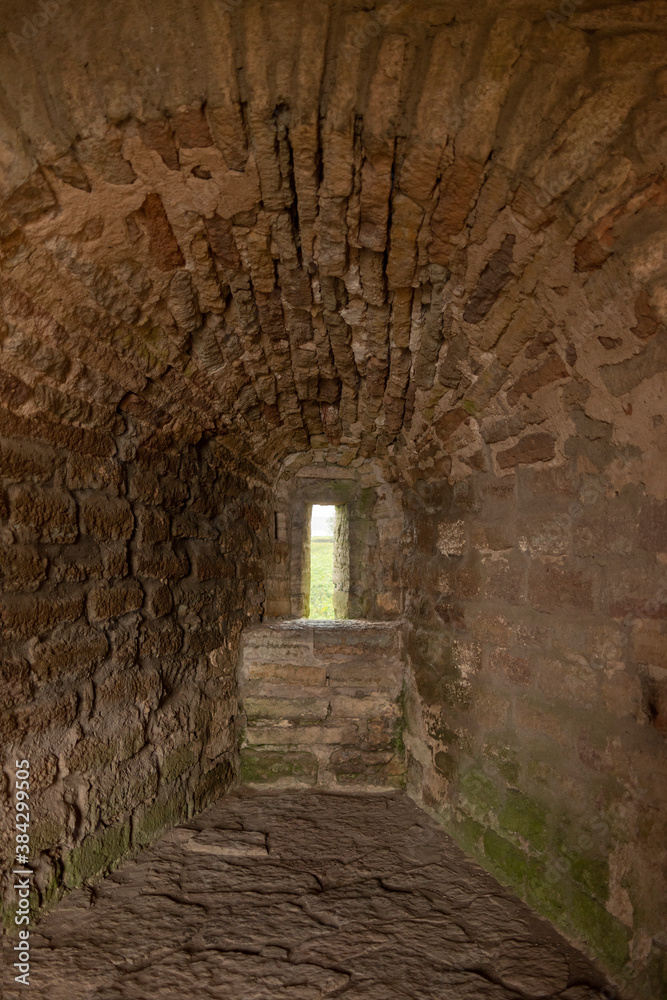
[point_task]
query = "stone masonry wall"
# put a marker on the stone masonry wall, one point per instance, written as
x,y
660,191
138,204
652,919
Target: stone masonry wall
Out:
x,y
323,703
129,567
539,707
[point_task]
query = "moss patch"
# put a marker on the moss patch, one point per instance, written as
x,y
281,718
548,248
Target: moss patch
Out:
x,y
505,857
480,791
178,761
266,766
525,817
97,854
606,935
158,817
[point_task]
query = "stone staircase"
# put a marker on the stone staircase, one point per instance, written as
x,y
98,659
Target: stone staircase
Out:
x,y
323,702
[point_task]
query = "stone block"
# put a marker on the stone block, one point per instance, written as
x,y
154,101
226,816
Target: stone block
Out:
x,y
159,600
545,533
373,677
26,615
97,853
262,767
152,525
538,447
106,517
604,934
304,711
161,562
570,679
23,567
517,669
286,673
653,526
495,535
294,735
504,577
143,486
50,513
15,683
505,857
174,493
162,637
349,707
58,712
111,601
209,563
649,642
552,586
84,473
479,794
71,650
21,460
352,766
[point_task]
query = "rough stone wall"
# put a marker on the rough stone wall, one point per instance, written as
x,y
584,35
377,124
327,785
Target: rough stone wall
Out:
x,y
429,234
538,713
130,564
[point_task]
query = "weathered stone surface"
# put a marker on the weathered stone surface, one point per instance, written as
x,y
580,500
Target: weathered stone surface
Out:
x,y
304,894
418,244
531,448
325,698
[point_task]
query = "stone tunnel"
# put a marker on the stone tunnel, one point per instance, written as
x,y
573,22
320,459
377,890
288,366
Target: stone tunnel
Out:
x,y
403,257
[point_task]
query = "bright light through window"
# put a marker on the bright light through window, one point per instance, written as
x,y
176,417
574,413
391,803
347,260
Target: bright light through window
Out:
x,y
321,561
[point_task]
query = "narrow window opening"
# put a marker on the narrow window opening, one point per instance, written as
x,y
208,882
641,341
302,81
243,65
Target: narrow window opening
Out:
x,y
322,531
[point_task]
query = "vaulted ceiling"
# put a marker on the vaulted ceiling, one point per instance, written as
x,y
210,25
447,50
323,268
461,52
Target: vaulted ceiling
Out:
x,y
433,231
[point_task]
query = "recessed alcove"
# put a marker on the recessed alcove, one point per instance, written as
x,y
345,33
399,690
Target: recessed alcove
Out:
x,y
367,535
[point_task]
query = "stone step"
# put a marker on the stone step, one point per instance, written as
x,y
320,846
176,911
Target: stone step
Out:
x,y
317,705
325,734
345,767
370,676
285,673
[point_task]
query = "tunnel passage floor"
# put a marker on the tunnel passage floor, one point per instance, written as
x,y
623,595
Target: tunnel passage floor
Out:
x,y
302,895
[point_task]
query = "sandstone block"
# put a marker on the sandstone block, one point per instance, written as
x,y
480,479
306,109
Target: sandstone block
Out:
x,y
21,460
69,651
209,563
271,767
22,567
159,638
50,513
27,615
159,601
305,711
84,473
649,643
110,601
105,517
538,447
15,686
366,767
286,673
515,668
152,525
552,586
161,562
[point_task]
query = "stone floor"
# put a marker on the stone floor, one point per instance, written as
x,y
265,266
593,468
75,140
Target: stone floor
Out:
x,y
301,895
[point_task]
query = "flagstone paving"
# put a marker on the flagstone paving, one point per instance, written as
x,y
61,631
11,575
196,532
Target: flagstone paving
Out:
x,y
297,895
